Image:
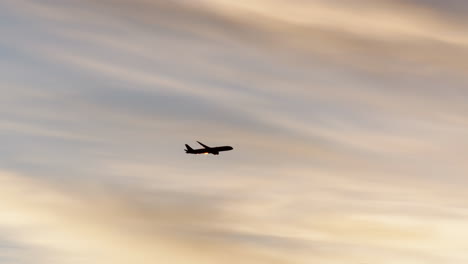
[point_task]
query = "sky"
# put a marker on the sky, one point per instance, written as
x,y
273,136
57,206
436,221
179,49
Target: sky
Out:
x,y
348,121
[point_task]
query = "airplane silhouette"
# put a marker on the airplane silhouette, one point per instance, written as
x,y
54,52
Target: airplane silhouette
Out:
x,y
207,150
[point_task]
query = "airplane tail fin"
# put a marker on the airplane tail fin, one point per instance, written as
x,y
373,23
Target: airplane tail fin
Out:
x,y
188,148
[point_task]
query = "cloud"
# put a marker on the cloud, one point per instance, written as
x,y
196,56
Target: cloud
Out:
x,y
95,223
348,122
90,223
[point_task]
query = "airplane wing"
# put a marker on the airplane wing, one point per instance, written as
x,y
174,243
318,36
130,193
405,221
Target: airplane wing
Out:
x,y
205,146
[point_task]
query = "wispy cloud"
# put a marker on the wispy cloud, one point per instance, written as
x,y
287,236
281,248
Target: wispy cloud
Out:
x,y
348,122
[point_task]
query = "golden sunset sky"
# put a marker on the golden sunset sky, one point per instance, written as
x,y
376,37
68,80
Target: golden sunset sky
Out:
x,y
349,122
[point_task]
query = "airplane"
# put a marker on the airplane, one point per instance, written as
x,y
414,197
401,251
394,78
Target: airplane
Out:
x,y
207,150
